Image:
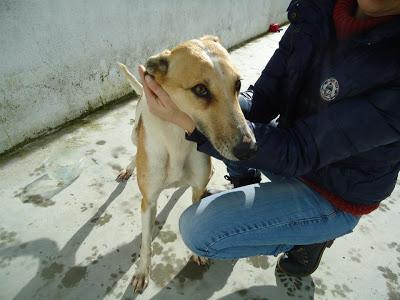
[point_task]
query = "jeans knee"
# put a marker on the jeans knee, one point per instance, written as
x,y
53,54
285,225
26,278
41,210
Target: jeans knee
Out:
x,y
191,234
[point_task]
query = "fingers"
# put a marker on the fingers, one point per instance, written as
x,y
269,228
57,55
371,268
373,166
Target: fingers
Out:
x,y
152,85
141,70
154,92
155,87
149,93
156,96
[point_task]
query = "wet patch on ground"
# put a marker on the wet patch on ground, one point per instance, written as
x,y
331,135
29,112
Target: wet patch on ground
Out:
x,y
118,151
161,274
51,271
73,276
38,171
295,286
167,236
97,185
94,257
115,167
320,287
85,206
100,221
7,237
157,248
383,207
355,255
260,262
394,245
191,272
243,292
114,277
364,229
165,272
341,291
129,212
392,282
90,152
127,206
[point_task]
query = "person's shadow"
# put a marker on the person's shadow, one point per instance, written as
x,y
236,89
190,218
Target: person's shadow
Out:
x,y
201,283
287,287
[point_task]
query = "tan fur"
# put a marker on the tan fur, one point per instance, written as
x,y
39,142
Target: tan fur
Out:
x,y
206,61
197,194
164,157
142,165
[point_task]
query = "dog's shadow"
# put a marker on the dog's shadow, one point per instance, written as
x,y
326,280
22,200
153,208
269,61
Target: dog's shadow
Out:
x,y
200,283
58,276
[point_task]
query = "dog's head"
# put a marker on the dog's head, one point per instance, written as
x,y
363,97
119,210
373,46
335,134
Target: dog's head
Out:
x,y
202,81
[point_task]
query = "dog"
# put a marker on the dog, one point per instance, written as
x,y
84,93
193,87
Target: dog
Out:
x,y
202,81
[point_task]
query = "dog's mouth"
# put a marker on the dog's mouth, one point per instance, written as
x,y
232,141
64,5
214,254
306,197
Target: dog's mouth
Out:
x,y
239,147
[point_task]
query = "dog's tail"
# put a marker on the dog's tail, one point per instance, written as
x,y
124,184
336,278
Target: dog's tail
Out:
x,y
135,84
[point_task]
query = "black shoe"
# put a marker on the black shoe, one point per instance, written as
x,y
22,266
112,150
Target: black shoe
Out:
x,y
302,260
242,181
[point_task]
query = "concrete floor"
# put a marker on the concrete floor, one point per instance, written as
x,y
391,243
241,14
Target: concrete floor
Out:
x,y
79,238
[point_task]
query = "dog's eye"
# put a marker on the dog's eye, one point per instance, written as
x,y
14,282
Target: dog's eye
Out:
x,y
238,85
201,91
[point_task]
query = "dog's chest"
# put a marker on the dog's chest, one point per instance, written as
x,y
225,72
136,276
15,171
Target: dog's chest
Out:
x,y
169,152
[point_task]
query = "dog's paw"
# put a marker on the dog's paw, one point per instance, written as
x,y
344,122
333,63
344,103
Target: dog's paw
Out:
x,y
124,175
140,282
199,260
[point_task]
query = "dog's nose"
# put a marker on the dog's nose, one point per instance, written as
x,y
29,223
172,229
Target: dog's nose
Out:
x,y
245,149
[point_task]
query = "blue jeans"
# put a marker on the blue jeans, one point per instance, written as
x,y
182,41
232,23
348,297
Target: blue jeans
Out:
x,y
261,219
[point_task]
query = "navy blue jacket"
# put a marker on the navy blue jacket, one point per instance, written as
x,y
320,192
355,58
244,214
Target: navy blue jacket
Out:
x,y
338,104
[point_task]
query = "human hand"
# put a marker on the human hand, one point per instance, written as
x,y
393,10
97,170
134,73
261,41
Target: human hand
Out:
x,y
161,105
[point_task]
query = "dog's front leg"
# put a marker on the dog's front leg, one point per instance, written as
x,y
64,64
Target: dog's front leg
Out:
x,y
197,195
200,164
141,278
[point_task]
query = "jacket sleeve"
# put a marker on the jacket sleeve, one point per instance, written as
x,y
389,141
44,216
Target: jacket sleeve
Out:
x,y
339,131
264,94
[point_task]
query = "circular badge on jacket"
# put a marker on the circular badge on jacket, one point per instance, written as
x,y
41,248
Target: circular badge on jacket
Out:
x,y
329,89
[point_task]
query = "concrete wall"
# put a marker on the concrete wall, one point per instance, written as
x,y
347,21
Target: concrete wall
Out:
x,y
58,57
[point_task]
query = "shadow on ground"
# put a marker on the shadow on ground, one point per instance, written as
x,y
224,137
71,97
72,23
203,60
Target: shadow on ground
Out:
x,y
59,276
193,279
196,282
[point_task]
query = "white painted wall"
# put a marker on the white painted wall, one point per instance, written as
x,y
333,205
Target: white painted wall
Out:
x,y
57,58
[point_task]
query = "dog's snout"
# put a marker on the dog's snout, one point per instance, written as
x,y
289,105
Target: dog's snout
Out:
x,y
246,149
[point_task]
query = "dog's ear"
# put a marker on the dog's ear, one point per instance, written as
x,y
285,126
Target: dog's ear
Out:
x,y
210,38
158,64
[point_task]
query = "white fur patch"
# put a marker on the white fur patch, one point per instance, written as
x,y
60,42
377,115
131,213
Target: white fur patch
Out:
x,y
210,57
216,64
